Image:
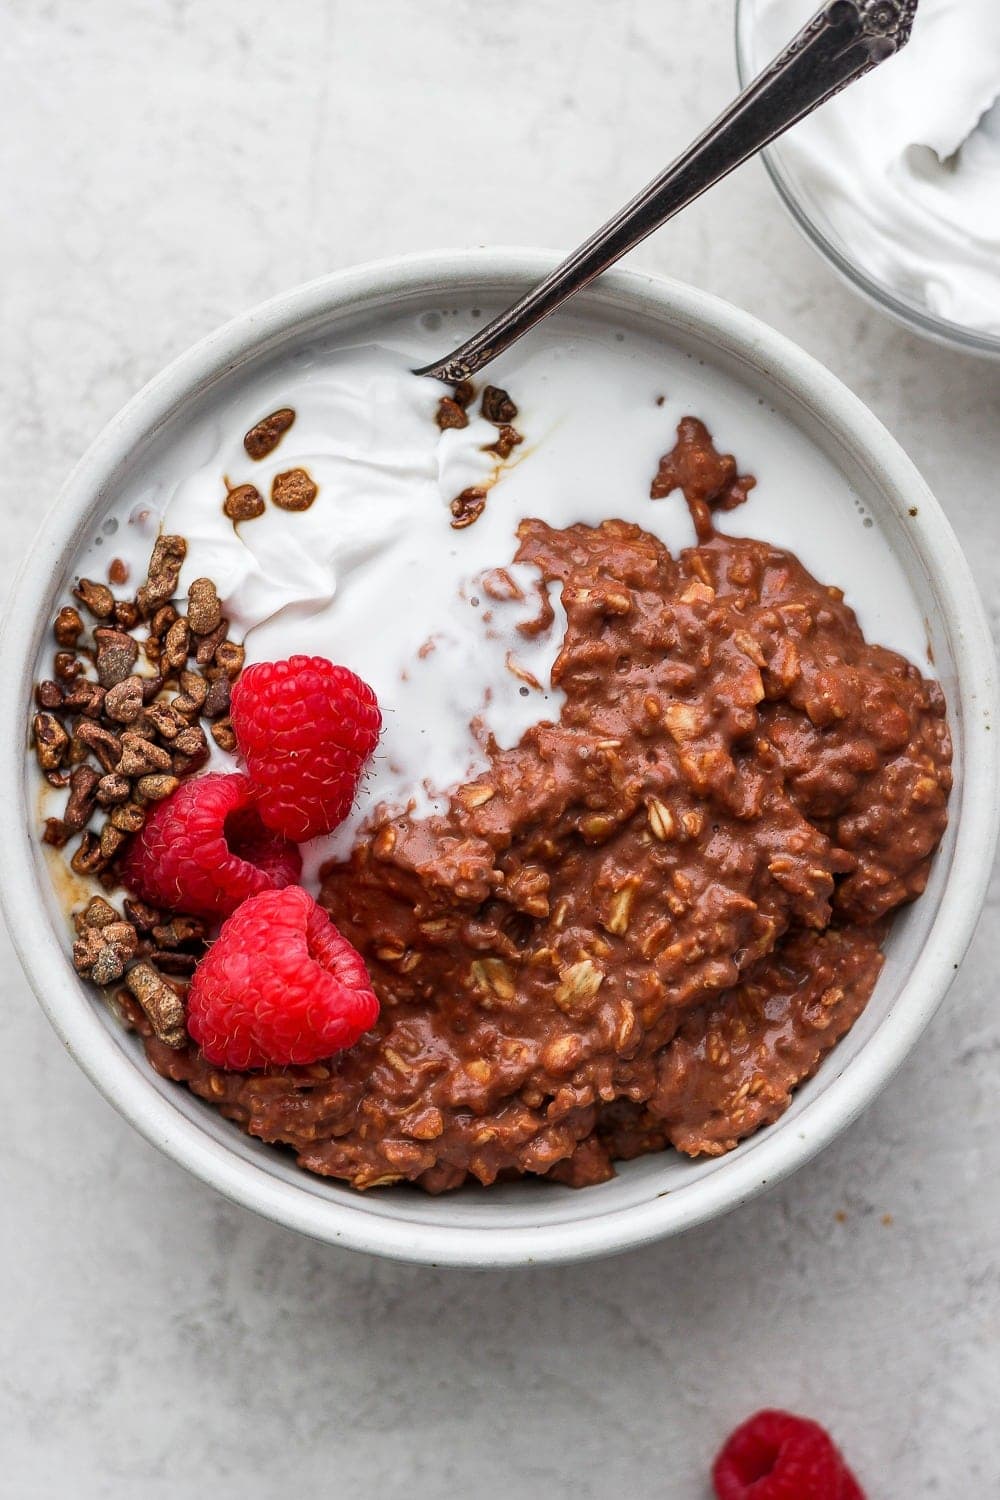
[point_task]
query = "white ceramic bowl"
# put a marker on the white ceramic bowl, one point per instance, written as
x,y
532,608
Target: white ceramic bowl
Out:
x,y
520,1223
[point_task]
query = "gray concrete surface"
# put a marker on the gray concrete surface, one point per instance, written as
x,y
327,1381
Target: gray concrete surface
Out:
x,y
165,164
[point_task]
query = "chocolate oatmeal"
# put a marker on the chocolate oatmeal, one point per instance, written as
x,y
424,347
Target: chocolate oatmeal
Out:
x,y
648,922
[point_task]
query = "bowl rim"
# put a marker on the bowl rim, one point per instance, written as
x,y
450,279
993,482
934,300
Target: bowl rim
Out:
x,y
775,1155
942,331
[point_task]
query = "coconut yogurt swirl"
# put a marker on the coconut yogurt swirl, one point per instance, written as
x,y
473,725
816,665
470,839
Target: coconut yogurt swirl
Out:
x,y
904,168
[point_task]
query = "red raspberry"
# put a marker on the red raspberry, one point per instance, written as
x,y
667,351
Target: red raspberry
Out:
x,y
279,985
203,850
778,1456
305,728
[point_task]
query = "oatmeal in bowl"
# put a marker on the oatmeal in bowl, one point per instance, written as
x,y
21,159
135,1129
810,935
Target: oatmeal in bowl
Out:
x,y
506,821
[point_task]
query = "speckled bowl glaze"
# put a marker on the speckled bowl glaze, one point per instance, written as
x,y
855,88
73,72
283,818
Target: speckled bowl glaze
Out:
x,y
525,1222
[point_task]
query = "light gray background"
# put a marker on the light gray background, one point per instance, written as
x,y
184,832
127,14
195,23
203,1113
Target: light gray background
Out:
x,y
164,164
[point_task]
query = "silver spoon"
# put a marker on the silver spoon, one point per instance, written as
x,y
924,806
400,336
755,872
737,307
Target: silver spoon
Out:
x,y
842,42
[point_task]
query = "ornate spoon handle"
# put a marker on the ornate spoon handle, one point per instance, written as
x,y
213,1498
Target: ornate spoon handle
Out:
x,y
843,41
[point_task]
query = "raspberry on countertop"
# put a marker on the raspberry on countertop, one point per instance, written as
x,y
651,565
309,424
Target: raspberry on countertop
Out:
x,y
775,1455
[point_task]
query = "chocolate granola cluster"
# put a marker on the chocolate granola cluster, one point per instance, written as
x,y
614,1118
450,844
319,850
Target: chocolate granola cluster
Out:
x,y
137,686
495,406
294,489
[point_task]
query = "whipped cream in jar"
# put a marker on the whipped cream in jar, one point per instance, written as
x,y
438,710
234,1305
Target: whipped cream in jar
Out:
x,y
897,179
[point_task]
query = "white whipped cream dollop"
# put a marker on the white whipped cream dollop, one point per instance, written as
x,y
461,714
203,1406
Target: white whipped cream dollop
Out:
x,y
374,575
903,168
